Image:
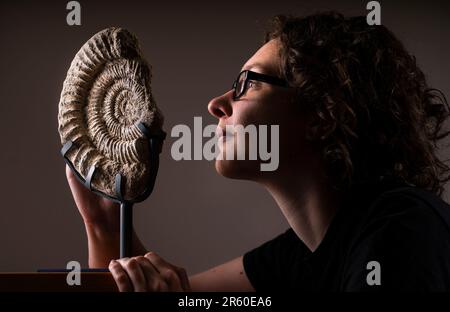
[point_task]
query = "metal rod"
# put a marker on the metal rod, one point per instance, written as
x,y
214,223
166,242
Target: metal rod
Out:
x,y
126,229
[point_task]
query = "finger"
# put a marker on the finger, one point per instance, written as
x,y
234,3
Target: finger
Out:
x,y
172,279
155,281
135,273
120,276
184,279
71,178
157,261
166,270
79,191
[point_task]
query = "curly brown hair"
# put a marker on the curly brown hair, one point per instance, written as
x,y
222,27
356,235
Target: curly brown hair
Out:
x,y
373,114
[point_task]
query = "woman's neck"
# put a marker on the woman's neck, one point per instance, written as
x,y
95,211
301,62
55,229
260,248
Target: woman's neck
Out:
x,y
307,202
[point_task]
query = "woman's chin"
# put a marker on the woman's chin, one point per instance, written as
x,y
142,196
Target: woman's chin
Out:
x,y
237,169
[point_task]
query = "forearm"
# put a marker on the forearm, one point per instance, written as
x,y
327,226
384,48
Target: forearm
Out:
x,y
104,245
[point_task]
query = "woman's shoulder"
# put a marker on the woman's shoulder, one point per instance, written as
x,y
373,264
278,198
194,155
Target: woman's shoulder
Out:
x,y
417,206
405,218
389,200
400,221
407,231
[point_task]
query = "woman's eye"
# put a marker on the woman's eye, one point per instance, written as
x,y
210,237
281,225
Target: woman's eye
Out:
x,y
251,84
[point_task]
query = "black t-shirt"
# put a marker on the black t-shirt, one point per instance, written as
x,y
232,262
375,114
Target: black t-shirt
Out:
x,y
406,230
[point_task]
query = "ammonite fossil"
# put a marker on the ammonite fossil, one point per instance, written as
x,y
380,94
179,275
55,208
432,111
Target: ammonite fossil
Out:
x,y
105,101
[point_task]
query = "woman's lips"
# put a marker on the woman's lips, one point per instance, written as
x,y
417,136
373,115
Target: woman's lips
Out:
x,y
222,133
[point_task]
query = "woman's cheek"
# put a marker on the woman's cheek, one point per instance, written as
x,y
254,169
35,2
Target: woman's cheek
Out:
x,y
249,113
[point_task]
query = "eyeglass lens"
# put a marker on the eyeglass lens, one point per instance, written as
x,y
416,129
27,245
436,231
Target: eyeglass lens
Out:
x,y
240,84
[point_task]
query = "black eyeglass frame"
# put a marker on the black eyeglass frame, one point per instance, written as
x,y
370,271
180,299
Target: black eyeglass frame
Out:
x,y
251,75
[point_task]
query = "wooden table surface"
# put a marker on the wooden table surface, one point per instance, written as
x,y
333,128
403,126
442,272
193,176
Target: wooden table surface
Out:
x,y
56,282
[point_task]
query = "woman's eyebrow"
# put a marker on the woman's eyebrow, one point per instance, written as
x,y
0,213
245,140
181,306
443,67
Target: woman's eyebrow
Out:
x,y
258,66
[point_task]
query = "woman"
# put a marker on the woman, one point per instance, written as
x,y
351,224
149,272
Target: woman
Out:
x,y
358,178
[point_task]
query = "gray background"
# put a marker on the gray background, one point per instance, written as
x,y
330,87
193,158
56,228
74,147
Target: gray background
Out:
x,y
195,218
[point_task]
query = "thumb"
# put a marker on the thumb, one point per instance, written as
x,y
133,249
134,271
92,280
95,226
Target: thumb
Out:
x,y
79,192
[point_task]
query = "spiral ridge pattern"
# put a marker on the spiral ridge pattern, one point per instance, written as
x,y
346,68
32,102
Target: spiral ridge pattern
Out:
x,y
105,95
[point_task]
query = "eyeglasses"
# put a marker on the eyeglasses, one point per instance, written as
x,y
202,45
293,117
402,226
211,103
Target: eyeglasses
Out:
x,y
241,83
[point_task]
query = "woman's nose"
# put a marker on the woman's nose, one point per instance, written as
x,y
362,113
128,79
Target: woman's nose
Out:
x,y
221,106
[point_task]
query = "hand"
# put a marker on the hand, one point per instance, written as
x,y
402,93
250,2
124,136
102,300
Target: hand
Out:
x,y
148,273
94,209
